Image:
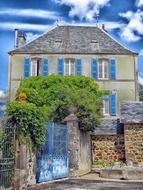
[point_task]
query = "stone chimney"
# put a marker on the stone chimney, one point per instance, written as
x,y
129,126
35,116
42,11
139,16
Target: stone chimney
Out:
x,y
21,39
103,27
16,38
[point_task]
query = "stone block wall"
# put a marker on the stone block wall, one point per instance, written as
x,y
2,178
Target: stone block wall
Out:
x,y
134,143
108,147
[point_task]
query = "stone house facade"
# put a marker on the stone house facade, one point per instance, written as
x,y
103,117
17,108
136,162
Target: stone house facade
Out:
x,y
79,50
92,52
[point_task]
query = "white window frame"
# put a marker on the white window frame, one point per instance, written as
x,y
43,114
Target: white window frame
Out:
x,y
104,108
103,62
34,61
69,67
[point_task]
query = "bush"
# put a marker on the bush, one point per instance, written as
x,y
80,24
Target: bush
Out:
x,y
51,97
29,120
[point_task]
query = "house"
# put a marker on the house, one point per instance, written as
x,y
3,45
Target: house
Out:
x,y
79,50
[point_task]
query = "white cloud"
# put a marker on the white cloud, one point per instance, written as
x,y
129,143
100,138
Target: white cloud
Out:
x,y
128,35
140,80
139,3
30,12
30,36
141,53
24,26
109,25
84,8
128,15
3,94
134,27
2,108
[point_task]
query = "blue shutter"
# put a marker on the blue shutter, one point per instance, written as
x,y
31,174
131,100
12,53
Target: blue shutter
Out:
x,y
60,66
113,104
45,64
78,67
26,67
94,69
112,69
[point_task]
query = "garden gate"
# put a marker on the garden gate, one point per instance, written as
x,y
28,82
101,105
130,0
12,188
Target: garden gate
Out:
x,y
7,147
52,160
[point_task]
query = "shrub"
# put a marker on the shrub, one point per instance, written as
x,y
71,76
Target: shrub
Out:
x,y
49,98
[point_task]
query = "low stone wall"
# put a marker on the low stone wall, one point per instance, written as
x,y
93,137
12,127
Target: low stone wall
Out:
x,y
134,143
108,147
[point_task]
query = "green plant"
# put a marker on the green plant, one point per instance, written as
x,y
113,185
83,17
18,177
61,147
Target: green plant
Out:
x,y
103,163
141,95
2,138
29,120
49,98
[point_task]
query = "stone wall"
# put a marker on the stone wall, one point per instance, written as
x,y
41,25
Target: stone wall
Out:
x,y
85,152
25,163
108,147
134,143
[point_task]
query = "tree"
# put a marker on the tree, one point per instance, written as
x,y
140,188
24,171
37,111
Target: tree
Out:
x,y
51,97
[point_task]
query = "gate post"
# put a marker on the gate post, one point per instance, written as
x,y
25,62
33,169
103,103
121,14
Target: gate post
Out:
x,y
74,141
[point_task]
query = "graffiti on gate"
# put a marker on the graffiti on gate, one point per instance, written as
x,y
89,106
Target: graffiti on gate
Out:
x,y
52,160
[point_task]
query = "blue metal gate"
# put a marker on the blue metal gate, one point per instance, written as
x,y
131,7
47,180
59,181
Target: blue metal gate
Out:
x,y
52,160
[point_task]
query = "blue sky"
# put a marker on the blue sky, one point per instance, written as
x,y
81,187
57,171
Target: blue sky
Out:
x,y
122,18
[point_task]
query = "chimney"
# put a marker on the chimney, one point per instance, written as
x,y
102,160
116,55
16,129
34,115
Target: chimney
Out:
x,y
103,27
16,38
22,39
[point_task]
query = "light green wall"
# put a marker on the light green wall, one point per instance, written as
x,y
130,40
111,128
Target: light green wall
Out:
x,y
124,85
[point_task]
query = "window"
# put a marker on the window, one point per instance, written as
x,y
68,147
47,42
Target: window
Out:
x,y
106,108
103,69
36,67
69,67
110,104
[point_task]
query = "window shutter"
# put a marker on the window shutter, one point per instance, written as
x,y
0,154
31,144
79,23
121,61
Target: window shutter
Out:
x,y
60,66
78,67
45,64
26,67
113,104
112,69
94,69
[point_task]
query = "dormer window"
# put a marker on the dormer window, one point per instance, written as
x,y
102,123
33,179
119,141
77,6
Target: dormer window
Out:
x,y
94,44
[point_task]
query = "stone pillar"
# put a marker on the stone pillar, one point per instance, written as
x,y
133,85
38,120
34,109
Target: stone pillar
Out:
x,y
25,162
74,141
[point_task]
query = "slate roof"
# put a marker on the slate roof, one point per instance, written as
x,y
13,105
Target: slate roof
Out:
x,y
131,112
74,40
107,127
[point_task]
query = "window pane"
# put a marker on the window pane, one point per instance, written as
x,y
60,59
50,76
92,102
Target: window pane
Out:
x,y
67,68
106,69
39,67
72,68
100,69
106,106
34,68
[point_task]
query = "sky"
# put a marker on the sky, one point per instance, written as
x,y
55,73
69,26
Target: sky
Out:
x,y
122,18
